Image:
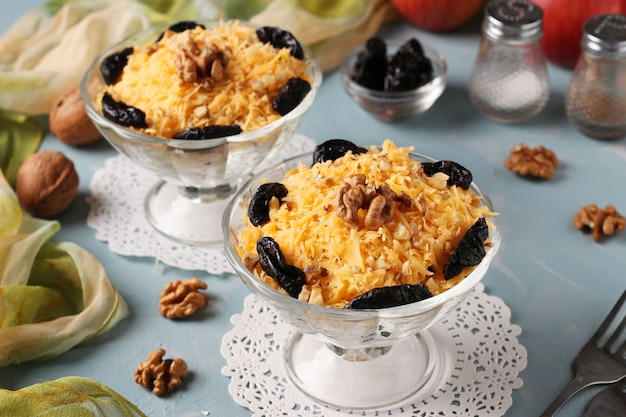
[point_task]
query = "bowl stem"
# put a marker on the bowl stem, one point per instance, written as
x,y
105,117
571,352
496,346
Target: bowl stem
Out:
x,y
188,215
368,378
361,354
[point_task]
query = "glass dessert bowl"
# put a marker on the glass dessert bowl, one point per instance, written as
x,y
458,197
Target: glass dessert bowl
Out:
x,y
391,106
367,359
198,174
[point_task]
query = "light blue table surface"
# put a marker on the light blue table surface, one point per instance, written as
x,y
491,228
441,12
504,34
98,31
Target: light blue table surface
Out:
x,y
558,283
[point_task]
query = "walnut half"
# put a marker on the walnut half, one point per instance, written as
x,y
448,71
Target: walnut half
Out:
x,y
181,298
537,162
196,63
162,376
355,194
599,222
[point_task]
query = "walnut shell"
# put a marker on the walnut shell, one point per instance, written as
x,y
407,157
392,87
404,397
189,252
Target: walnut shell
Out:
x,y
69,121
46,183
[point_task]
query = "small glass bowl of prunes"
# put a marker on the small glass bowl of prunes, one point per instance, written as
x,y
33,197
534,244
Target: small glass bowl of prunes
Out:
x,y
394,80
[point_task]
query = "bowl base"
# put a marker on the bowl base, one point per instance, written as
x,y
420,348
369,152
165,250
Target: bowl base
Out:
x,y
411,369
188,215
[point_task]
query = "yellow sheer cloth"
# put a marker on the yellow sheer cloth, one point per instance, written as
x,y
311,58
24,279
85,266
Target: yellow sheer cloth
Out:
x,y
69,396
53,295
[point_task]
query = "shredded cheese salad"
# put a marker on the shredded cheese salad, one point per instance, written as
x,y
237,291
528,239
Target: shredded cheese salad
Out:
x,y
254,73
343,259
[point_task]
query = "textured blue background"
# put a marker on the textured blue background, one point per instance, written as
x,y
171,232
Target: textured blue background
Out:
x,y
558,283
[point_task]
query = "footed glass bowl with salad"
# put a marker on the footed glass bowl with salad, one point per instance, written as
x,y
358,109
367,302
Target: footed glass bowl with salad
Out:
x,y
200,104
361,250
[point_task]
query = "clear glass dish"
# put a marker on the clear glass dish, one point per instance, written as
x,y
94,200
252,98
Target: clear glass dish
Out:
x,y
356,359
197,177
395,106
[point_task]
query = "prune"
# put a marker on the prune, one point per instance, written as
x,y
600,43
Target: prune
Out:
x,y
112,66
208,132
122,114
408,68
412,47
184,25
401,81
469,251
392,296
272,260
371,65
291,95
279,38
335,148
258,209
181,27
457,174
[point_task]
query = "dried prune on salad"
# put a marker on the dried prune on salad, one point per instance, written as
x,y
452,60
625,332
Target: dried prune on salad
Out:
x,y
334,149
457,174
113,65
279,39
371,65
292,93
258,209
181,27
273,263
208,132
185,25
122,114
469,251
392,296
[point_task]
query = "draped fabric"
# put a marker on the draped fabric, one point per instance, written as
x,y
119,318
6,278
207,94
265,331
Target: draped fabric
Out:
x,y
53,295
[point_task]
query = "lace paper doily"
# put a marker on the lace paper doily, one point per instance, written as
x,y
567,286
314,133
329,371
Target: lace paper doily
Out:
x,y
481,380
116,213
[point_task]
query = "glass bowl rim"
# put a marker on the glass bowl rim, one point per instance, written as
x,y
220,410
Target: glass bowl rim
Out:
x,y
439,64
151,32
290,303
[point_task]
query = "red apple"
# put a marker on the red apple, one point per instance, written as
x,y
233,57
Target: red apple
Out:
x,y
563,22
437,15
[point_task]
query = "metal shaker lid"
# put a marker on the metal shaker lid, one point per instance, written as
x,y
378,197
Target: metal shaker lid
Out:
x,y
605,34
516,20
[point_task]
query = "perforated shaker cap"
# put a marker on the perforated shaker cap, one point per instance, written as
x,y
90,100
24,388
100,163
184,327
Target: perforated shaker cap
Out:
x,y
515,20
605,35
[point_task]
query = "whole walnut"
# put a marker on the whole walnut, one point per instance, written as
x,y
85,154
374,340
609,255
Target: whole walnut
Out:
x,y
46,183
69,121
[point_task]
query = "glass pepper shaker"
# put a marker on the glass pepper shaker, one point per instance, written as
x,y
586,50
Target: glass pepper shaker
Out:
x,y
509,80
596,97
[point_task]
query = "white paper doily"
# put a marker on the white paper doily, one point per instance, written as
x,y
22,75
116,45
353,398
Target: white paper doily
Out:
x,y
116,213
485,371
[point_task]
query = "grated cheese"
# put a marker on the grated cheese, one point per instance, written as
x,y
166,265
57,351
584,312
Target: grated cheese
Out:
x,y
412,248
254,74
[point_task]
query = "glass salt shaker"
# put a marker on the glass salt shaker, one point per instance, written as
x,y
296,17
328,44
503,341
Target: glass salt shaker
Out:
x,y
509,80
596,97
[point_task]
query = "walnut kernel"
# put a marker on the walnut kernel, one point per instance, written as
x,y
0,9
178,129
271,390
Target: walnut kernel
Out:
x,y
538,162
182,298
46,183
162,376
599,222
197,63
356,193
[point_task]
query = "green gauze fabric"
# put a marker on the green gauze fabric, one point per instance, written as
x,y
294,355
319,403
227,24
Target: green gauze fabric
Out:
x,y
69,396
53,295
